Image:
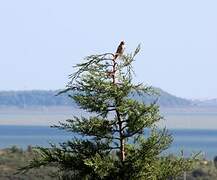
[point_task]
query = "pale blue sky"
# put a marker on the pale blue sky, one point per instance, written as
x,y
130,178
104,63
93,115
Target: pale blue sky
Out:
x,y
40,41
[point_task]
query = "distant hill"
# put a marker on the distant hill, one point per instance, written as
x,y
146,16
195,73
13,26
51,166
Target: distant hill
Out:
x,y
24,99
206,103
168,100
33,98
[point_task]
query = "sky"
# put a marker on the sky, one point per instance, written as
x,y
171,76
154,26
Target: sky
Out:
x,y
40,41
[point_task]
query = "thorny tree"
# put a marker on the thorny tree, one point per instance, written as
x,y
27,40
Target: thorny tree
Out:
x,y
119,140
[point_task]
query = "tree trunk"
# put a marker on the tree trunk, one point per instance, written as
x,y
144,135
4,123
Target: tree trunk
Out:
x,y
122,142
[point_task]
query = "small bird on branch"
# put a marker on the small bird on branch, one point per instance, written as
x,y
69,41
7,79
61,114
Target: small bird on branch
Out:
x,y
120,50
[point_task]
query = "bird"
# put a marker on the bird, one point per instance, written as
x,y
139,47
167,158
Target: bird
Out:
x,y
120,50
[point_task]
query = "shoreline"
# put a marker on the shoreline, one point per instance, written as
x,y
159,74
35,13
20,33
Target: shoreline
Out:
x,y
174,118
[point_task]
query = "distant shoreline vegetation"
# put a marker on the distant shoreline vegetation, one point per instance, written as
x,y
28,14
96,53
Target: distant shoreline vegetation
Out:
x,y
23,99
13,158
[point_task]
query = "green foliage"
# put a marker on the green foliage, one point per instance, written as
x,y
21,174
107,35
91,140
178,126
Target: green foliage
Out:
x,y
13,158
111,143
10,161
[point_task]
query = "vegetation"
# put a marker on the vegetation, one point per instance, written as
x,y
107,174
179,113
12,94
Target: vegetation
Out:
x,y
203,170
111,143
13,158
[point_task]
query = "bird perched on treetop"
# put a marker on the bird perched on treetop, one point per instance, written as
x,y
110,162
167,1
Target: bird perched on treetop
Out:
x,y
120,50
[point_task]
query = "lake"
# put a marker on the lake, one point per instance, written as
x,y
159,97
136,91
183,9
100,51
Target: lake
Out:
x,y
194,129
186,139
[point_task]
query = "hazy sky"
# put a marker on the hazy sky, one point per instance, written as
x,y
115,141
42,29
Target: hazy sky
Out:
x,y
40,41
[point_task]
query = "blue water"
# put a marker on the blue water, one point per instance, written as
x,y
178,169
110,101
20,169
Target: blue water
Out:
x,y
187,140
194,140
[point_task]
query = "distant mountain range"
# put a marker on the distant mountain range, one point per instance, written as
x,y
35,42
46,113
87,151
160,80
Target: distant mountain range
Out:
x,y
206,103
24,99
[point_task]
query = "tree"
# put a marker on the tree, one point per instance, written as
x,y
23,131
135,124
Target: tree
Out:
x,y
120,140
